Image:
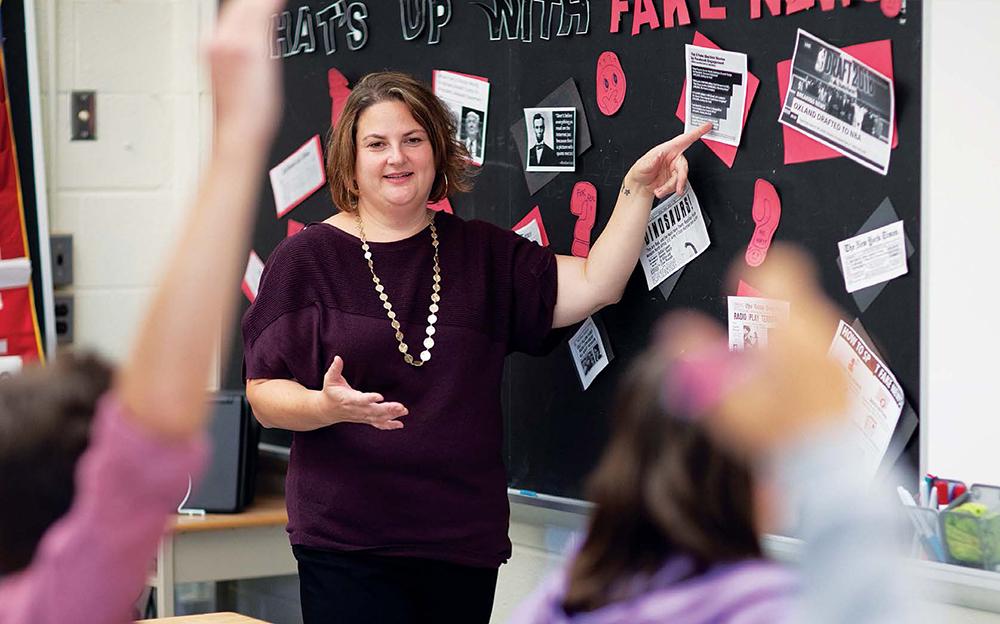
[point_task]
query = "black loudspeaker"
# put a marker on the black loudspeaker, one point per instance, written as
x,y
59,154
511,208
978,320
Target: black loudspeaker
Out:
x,y
227,486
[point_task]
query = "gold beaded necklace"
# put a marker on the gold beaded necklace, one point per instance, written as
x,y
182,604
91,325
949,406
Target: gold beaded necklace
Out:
x,y
425,355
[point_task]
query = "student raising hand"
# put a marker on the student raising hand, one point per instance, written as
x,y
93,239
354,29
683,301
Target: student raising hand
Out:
x,y
78,546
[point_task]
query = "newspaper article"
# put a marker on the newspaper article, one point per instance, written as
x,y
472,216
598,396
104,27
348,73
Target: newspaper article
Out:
x,y
873,257
675,235
716,92
468,99
876,399
590,355
840,102
297,177
750,320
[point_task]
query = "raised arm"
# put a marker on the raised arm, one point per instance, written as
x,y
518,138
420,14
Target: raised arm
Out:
x,y
164,379
588,284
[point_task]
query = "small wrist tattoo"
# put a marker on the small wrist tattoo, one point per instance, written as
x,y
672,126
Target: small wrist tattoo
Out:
x,y
626,191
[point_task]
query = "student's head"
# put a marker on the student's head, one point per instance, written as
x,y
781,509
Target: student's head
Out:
x,y
661,488
538,123
45,416
451,168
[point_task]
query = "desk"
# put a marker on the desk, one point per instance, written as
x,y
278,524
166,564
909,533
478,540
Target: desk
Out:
x,y
207,618
222,547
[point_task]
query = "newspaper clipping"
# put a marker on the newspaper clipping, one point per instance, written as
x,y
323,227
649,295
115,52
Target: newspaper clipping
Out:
x,y
873,257
876,399
675,235
716,92
750,320
840,102
590,355
468,99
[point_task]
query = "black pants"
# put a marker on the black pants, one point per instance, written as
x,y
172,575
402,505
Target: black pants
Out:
x,y
359,588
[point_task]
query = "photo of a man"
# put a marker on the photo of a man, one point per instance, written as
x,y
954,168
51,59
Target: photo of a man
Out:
x,y
541,153
471,132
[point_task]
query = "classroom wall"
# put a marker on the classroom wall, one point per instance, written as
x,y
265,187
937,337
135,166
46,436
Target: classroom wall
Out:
x,y
121,196
961,231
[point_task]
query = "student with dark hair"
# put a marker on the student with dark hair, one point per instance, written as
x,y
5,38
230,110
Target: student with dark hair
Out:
x,y
91,463
699,433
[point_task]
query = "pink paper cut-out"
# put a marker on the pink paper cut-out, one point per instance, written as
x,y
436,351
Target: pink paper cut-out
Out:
x,y
583,203
746,290
611,84
766,216
800,148
891,8
338,93
726,153
294,227
441,206
534,215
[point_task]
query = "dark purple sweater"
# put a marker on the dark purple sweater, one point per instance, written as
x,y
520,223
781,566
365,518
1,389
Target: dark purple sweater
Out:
x,y
436,488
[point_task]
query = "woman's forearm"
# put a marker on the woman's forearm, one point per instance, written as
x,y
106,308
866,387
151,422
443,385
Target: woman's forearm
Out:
x,y
287,404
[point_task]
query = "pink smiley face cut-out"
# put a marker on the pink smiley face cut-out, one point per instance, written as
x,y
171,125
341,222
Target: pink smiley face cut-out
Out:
x,y
610,83
891,8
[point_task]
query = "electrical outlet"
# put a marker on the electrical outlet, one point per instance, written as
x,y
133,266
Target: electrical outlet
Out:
x,y
61,247
64,318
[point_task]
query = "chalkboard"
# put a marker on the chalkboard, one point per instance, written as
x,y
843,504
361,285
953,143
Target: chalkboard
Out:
x,y
555,429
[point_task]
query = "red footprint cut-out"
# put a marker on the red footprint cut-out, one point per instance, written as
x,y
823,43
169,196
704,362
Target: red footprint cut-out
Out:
x,y
338,93
583,203
766,214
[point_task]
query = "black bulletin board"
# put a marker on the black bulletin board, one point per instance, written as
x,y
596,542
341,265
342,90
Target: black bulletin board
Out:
x,y
555,430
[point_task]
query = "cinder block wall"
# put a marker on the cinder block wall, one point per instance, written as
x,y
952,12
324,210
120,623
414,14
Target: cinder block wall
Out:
x,y
123,195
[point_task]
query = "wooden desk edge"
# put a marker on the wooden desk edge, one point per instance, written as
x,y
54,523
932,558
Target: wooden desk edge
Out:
x,y
207,618
265,512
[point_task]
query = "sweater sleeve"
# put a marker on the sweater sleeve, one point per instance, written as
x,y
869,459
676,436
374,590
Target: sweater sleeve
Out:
x,y
534,284
92,564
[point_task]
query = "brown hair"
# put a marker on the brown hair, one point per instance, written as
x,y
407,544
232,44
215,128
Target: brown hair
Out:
x,y
661,488
451,159
45,416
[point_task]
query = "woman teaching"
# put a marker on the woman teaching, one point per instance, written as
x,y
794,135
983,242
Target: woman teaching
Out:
x,y
378,337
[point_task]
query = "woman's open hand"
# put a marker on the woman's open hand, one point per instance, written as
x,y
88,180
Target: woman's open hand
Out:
x,y
350,405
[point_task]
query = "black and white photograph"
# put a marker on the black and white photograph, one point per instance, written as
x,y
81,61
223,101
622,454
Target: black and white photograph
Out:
x,y
839,101
590,354
551,139
467,98
471,132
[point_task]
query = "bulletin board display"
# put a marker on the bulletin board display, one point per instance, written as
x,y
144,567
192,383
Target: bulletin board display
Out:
x,y
547,54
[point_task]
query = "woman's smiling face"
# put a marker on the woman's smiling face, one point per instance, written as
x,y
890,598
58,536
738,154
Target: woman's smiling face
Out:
x,y
394,163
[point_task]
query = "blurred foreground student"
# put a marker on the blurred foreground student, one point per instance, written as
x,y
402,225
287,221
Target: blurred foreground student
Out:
x,y
140,431
703,440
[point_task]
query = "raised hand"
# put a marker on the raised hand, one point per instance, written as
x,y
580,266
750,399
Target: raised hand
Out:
x,y
663,170
350,405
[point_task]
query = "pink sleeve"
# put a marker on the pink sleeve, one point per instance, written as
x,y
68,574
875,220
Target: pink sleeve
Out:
x,y
92,564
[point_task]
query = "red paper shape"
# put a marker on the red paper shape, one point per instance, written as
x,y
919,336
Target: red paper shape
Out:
x,y
891,8
338,94
799,147
766,214
746,290
611,83
442,206
534,215
294,227
726,153
583,203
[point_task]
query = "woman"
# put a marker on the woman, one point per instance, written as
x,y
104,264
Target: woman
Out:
x,y
378,337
